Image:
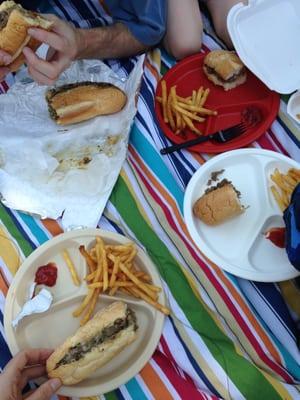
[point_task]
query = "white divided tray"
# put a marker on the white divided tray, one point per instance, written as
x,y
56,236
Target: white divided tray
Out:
x,y
50,329
265,34
238,245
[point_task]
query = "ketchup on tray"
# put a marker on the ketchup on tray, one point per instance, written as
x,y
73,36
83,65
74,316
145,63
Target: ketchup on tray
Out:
x,y
46,275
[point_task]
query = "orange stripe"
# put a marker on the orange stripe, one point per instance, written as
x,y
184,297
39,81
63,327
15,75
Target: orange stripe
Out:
x,y
152,69
3,283
52,226
154,383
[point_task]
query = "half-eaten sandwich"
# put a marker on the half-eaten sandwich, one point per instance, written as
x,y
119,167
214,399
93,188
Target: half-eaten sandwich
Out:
x,y
77,102
218,204
224,68
94,344
14,24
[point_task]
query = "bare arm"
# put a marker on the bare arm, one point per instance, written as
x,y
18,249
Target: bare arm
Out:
x,y
68,44
115,41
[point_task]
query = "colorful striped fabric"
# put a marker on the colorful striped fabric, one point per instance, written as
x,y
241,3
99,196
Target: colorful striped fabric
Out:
x,y
226,338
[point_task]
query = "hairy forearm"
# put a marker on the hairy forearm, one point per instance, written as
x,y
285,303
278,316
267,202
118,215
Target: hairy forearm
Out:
x,y
114,41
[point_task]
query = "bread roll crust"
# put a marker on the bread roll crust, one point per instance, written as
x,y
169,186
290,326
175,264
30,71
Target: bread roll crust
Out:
x,y
218,205
75,371
224,68
14,37
78,102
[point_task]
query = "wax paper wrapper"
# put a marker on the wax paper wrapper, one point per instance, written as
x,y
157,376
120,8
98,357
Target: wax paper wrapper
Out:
x,y
52,171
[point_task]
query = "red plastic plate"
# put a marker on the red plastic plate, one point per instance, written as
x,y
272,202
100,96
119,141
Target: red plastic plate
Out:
x,y
188,75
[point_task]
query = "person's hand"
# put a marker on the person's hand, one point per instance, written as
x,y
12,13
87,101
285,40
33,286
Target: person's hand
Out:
x,y
64,41
5,59
26,365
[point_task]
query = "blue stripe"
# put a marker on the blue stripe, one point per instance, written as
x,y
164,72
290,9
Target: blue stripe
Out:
x,y
37,231
134,390
194,363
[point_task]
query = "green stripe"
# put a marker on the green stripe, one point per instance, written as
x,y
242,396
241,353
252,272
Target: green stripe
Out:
x,y
240,371
14,232
111,396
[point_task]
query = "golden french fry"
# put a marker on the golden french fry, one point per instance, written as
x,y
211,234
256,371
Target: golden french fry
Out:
x,y
85,302
89,260
113,290
159,99
200,110
95,285
278,198
170,113
71,267
191,125
194,96
91,276
204,97
164,100
134,279
199,96
186,100
91,308
115,271
186,113
149,300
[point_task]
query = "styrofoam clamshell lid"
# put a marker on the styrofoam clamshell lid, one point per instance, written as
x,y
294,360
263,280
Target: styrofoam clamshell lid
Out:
x,y
265,34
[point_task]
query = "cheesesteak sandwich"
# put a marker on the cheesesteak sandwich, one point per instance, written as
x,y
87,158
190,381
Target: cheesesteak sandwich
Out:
x,y
224,68
78,102
93,345
14,23
218,204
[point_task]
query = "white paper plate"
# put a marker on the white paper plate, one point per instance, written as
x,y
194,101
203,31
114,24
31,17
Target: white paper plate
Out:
x,y
238,245
51,328
265,34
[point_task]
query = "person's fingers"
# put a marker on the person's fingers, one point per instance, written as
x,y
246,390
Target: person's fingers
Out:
x,y
39,77
27,357
51,38
32,373
50,70
45,391
5,58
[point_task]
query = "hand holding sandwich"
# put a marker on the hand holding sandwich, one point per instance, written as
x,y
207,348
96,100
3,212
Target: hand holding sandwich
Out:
x,y
26,365
68,44
65,43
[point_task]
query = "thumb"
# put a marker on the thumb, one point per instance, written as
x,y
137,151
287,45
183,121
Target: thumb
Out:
x,y
45,391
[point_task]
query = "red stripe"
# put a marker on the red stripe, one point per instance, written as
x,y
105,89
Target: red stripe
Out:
x,y
4,86
182,387
220,290
277,142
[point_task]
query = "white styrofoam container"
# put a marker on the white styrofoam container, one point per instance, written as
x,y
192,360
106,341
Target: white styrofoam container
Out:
x,y
265,34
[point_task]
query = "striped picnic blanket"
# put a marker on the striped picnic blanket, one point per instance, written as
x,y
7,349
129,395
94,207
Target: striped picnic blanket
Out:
x,y
227,338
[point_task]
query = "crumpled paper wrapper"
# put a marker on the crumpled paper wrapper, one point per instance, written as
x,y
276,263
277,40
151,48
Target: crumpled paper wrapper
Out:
x,y
69,171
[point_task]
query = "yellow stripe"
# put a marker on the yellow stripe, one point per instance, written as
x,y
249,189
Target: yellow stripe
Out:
x,y
277,386
9,252
285,118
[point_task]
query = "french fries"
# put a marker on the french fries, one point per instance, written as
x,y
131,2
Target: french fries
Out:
x,y
284,186
181,112
71,267
111,269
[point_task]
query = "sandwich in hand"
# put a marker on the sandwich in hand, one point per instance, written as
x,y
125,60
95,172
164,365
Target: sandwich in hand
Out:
x,y
78,102
224,68
218,204
14,23
94,344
